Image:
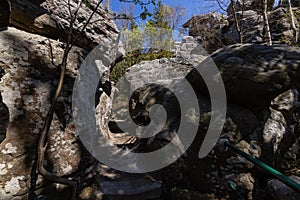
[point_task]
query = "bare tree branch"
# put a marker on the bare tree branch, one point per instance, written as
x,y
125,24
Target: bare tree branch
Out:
x,y
142,3
221,4
86,24
293,22
236,21
51,53
42,144
266,23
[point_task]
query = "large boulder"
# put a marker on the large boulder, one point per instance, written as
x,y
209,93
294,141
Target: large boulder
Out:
x,y
206,28
214,32
295,3
254,74
26,89
252,26
29,72
262,118
281,191
244,5
52,19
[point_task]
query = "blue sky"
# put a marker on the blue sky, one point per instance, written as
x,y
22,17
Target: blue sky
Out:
x,y
193,7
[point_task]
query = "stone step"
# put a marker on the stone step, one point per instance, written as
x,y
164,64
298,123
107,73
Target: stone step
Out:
x,y
118,185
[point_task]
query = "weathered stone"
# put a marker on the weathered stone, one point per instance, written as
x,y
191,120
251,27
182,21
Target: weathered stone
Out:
x,y
243,5
206,28
286,101
275,128
243,118
214,33
280,191
4,117
252,26
258,74
295,3
246,181
52,19
253,74
26,89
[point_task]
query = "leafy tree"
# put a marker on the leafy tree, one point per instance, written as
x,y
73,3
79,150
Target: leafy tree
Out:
x,y
158,31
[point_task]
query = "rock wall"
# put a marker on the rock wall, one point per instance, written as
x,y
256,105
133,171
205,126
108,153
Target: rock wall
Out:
x,y
262,85
252,27
215,31
31,51
242,5
51,19
207,30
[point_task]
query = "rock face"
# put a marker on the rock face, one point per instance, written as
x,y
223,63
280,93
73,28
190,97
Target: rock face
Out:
x,y
188,55
51,19
257,78
263,114
26,86
251,25
261,120
280,191
29,71
295,3
243,5
206,28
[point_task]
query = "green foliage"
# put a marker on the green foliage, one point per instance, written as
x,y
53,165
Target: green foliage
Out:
x,y
143,5
135,57
132,39
145,13
159,16
87,4
158,30
145,42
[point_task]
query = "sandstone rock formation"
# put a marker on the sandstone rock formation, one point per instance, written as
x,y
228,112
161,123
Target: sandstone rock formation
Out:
x,y
262,85
207,29
262,118
252,26
259,77
215,31
30,57
295,3
27,87
280,191
51,19
243,5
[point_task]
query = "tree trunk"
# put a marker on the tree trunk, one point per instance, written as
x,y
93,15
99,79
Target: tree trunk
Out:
x,y
236,21
266,23
292,18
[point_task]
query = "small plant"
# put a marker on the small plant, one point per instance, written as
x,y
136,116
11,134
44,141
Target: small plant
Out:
x,y
136,57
